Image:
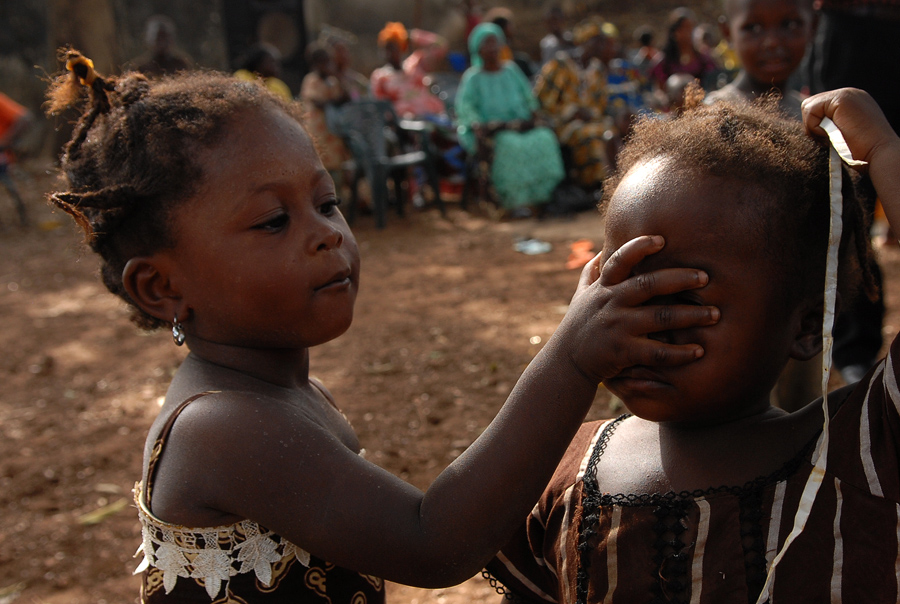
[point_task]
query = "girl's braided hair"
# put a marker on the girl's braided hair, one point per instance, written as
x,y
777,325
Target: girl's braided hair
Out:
x,y
132,156
756,144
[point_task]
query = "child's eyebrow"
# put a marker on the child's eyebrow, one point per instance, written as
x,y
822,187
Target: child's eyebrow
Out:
x,y
287,181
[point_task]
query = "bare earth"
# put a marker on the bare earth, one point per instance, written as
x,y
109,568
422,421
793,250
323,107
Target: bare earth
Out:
x,y
447,318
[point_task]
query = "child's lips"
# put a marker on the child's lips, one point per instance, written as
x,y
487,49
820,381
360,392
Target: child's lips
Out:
x,y
339,279
774,65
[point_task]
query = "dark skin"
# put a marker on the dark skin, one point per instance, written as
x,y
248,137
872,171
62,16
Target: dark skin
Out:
x,y
394,54
489,51
325,68
709,423
770,37
684,38
262,244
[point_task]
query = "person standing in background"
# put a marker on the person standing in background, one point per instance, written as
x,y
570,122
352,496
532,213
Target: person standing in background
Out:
x,y
856,45
557,38
162,56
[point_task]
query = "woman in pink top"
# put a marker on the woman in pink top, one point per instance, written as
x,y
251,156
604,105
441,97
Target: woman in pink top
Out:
x,y
405,82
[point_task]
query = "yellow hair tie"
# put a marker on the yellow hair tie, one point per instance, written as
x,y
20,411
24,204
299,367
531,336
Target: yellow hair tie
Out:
x,y
90,76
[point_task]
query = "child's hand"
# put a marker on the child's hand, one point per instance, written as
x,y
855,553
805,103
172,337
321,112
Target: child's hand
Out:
x,y
608,322
857,116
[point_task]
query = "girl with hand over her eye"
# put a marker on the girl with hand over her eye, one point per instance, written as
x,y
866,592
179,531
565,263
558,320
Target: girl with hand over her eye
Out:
x,y
213,216
703,492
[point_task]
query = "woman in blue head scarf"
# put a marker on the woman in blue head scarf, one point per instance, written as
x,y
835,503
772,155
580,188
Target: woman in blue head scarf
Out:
x,y
495,115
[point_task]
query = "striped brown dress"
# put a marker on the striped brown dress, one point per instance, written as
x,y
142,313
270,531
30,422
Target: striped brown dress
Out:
x,y
715,546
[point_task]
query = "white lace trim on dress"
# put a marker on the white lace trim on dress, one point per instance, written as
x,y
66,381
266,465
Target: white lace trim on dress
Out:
x,y
213,554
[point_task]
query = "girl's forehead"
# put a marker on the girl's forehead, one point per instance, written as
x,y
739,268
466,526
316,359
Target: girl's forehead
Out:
x,y
659,197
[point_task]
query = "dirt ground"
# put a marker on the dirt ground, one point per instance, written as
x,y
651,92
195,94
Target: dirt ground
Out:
x,y
448,316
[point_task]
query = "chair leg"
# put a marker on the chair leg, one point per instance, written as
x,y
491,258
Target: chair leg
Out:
x,y
379,197
354,196
400,177
435,184
470,183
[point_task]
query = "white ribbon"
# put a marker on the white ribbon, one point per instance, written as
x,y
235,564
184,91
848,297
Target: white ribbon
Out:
x,y
839,151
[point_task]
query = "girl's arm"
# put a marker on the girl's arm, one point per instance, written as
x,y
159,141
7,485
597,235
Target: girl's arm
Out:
x,y
869,136
272,461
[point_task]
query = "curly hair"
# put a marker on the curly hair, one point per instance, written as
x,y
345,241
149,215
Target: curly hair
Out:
x,y
132,157
755,143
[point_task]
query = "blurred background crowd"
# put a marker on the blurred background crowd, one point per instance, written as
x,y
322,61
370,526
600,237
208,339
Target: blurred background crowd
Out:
x,y
520,104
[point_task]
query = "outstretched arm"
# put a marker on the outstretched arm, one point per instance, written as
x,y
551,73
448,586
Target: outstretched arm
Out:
x,y
313,490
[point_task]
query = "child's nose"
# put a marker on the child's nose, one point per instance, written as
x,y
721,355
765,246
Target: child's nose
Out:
x,y
771,38
330,238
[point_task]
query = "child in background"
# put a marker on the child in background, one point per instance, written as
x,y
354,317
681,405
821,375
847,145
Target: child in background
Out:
x,y
770,39
692,498
339,41
214,216
321,88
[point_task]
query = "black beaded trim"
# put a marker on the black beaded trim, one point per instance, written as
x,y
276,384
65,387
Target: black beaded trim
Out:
x,y
591,503
500,588
671,509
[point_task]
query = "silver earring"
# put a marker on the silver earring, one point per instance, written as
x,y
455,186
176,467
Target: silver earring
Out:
x,y
177,332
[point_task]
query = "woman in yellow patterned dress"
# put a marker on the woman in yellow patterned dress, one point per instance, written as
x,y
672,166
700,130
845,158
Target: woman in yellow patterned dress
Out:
x,y
572,93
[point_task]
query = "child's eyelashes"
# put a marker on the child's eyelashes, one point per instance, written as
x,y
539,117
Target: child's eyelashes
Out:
x,y
330,206
273,224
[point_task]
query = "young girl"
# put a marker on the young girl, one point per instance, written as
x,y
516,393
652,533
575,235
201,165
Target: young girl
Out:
x,y
692,498
214,216
321,88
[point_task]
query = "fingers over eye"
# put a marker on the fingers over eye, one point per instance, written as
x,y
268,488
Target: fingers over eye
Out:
x,y
619,266
641,288
652,319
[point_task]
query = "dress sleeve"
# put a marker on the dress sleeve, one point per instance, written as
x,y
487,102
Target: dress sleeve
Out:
x,y
467,109
864,447
523,85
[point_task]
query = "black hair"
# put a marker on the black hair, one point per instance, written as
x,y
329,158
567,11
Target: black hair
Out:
x,y
676,18
317,52
644,35
757,144
132,156
254,57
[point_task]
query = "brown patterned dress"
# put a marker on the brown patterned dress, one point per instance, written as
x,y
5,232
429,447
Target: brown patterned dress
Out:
x,y
715,546
242,563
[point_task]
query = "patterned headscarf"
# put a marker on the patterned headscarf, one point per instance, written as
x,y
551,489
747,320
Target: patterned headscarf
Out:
x,y
479,34
394,32
592,27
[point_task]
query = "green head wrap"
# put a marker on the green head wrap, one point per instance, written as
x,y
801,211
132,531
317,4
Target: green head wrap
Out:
x,y
479,34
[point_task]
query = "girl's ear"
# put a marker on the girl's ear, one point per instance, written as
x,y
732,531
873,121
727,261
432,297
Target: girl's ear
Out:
x,y
146,279
808,341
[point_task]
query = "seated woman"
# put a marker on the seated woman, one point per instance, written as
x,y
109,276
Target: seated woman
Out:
x,y
404,83
495,105
573,94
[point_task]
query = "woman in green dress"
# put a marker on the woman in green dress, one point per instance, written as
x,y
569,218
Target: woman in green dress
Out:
x,y
495,108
